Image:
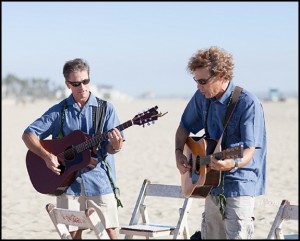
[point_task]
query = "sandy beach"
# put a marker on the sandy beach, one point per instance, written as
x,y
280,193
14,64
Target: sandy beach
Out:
x,y
148,153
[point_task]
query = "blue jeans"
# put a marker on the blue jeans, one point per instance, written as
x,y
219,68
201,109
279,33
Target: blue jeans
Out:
x,y
238,222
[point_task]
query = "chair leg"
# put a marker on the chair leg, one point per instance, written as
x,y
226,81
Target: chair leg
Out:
x,y
279,233
186,234
128,236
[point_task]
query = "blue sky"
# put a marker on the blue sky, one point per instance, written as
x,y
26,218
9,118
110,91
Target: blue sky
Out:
x,y
145,46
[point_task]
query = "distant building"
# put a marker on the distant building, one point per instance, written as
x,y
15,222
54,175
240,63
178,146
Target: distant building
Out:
x,y
105,92
275,95
148,95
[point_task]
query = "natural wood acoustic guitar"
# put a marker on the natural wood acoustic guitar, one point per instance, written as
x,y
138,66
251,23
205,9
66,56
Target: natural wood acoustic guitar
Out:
x,y
200,179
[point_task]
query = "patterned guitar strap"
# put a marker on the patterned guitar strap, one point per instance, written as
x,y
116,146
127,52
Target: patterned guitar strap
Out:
x,y
98,122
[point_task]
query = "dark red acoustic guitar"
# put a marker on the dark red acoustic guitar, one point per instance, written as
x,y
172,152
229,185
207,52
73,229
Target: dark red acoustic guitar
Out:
x,y
74,152
201,178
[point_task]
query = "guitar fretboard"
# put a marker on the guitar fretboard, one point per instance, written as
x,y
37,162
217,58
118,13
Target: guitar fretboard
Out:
x,y
140,119
234,152
94,141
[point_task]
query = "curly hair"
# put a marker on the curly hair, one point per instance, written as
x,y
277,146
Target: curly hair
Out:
x,y
216,59
75,65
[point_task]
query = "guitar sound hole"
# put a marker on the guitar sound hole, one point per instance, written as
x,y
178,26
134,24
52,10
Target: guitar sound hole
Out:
x,y
191,163
69,154
62,168
198,165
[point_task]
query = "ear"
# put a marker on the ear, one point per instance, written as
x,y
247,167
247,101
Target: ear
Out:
x,y
67,84
221,75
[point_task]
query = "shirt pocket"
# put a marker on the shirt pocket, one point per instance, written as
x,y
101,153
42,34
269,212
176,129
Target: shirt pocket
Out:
x,y
233,129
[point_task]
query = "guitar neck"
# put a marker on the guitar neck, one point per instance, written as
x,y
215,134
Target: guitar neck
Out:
x,y
98,138
205,160
219,155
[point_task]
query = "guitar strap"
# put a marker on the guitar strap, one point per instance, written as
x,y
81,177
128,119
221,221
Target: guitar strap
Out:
x,y
235,97
221,199
98,116
60,133
98,122
232,104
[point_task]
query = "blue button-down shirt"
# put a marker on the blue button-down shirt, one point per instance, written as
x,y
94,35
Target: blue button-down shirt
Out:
x,y
95,181
247,125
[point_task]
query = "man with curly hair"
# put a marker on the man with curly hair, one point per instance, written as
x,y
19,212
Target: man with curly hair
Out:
x,y
229,207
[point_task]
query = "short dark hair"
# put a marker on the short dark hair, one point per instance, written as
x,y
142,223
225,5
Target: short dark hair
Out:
x,y
75,65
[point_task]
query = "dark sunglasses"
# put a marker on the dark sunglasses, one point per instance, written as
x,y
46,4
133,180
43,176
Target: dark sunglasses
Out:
x,y
76,84
203,81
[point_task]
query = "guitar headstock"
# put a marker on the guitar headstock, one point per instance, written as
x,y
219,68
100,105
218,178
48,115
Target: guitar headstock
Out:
x,y
148,117
236,151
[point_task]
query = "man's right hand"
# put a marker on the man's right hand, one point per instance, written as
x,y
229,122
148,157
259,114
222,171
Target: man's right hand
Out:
x,y
181,162
52,163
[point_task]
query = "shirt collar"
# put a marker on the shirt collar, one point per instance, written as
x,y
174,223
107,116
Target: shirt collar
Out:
x,y
226,94
92,101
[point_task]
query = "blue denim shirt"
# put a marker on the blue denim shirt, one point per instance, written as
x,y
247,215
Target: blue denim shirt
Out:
x,y
95,181
247,125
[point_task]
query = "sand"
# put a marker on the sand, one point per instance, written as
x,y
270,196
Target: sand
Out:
x,y
148,153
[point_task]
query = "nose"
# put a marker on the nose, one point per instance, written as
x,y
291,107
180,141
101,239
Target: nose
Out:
x,y
200,87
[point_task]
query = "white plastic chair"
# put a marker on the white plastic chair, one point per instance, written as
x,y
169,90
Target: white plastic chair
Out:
x,y
83,219
153,230
286,211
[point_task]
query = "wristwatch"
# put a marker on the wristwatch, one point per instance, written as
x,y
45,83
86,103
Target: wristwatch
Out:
x,y
236,164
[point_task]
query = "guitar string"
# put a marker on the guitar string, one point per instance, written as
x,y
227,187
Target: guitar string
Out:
x,y
91,142
69,153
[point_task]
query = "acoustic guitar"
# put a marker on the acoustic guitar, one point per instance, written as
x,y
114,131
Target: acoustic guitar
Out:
x,y
74,152
200,179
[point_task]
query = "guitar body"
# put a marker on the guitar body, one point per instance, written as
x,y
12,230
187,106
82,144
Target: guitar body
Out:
x,y
200,179
46,181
